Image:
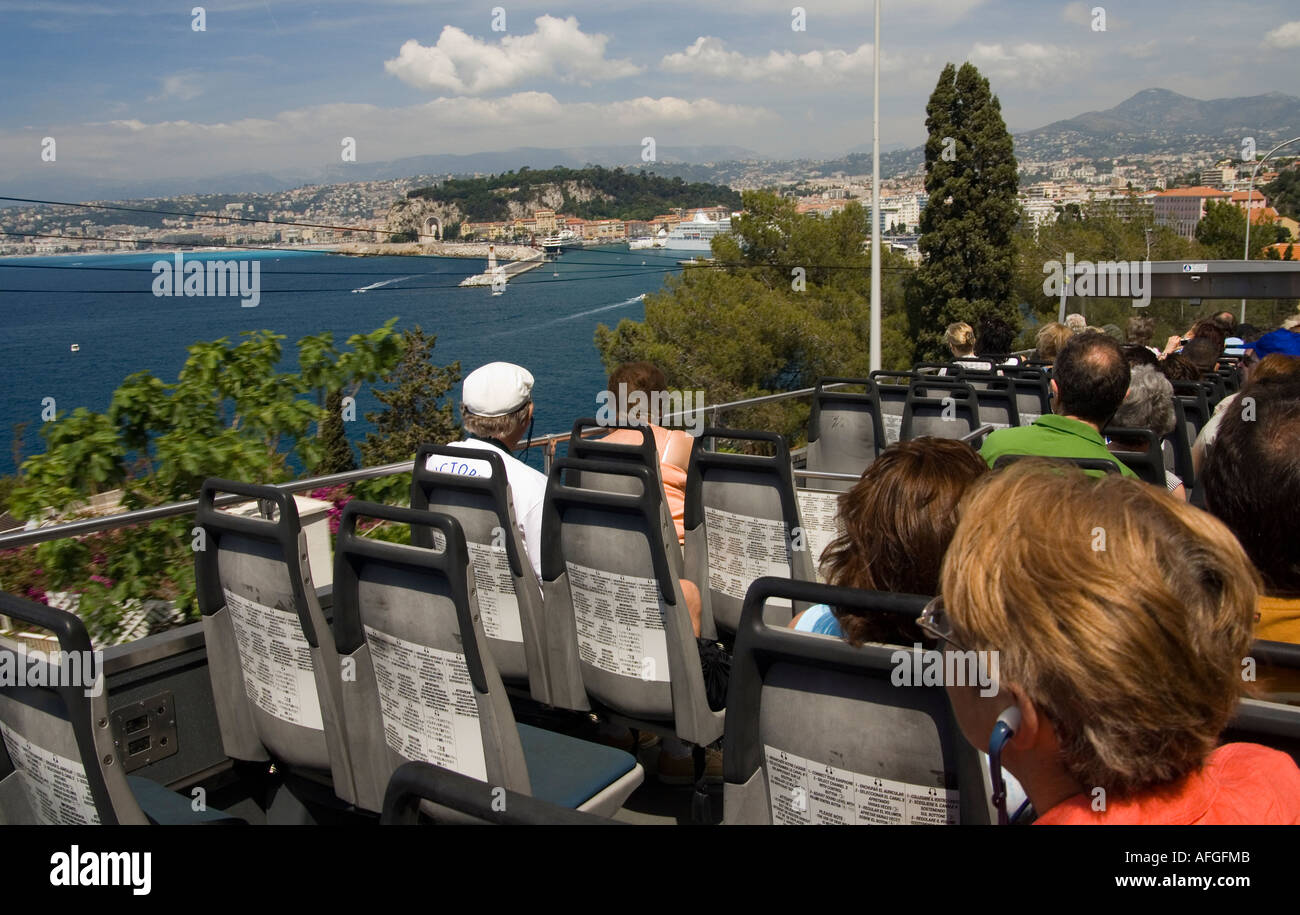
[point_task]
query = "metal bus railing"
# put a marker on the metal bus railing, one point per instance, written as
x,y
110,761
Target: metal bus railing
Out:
x,y
549,442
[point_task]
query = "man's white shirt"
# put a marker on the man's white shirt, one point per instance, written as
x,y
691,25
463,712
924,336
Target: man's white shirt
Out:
x,y
527,491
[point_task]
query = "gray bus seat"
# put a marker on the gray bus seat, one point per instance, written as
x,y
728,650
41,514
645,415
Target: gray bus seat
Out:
x,y
891,391
509,594
1033,393
414,782
1196,408
845,430
817,732
742,522
1277,671
1181,447
425,689
1149,464
620,635
1101,464
1267,720
271,655
997,397
645,455
59,762
955,412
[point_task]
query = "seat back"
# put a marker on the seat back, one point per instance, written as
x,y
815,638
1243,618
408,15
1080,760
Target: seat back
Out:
x,y
619,632
1149,464
1216,386
1181,447
891,391
1033,393
1196,408
943,409
473,487
1273,719
996,395
1101,464
414,782
742,522
845,430
59,764
423,686
820,732
271,655
645,454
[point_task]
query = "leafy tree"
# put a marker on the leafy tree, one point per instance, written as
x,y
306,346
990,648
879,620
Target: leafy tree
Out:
x,y
231,413
1103,232
1222,232
1283,192
787,302
966,229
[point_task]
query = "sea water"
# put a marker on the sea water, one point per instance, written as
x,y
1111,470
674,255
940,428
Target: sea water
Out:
x,y
105,305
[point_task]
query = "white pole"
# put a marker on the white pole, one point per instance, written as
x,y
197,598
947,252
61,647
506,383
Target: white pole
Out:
x,y
875,198
1250,190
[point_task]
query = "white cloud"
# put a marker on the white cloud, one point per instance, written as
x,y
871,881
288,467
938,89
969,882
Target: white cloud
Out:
x,y
1026,62
709,56
1286,35
183,86
310,137
464,64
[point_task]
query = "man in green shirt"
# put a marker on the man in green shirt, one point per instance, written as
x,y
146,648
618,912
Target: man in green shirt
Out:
x,y
1089,381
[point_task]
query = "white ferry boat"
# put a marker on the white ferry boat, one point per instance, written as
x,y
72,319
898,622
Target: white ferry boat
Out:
x,y
696,235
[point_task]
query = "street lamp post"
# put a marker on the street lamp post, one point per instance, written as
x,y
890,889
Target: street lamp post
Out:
x,y
1250,190
875,198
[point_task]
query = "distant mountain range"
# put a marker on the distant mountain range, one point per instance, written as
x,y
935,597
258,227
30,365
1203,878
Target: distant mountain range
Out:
x,y
1153,121
482,163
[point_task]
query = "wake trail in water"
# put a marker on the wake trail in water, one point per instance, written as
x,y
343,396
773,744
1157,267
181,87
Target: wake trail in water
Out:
x,y
396,279
580,314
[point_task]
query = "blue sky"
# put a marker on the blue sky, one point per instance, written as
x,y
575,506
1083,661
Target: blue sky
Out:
x,y
129,90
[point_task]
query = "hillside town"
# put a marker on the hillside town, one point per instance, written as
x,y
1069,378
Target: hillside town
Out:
x,y
360,211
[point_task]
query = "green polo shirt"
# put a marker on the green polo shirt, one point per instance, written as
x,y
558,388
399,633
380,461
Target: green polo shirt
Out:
x,y
1051,436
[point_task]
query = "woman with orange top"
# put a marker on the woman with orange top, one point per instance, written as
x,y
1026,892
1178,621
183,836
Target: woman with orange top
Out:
x,y
1120,616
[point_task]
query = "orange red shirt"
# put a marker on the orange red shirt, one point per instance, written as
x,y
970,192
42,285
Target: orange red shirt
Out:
x,y
1240,784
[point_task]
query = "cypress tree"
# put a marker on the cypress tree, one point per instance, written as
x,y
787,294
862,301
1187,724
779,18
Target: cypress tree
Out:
x,y
417,409
967,255
336,451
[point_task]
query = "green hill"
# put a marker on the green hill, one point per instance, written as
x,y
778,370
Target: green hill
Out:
x,y
590,193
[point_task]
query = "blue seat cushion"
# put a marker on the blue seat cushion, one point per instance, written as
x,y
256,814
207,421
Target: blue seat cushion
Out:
x,y
165,807
567,771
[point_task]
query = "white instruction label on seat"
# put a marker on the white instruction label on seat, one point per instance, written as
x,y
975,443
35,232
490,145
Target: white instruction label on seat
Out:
x,y
497,603
820,514
620,623
1027,419
58,786
806,792
276,661
893,426
428,703
742,548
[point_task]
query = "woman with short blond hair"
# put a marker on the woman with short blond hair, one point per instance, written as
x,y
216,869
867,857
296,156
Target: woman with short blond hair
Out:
x,y
1050,339
1120,619
960,338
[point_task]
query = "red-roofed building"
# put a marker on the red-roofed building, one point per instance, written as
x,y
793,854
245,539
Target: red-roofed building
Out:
x,y
1181,208
1257,200
1263,214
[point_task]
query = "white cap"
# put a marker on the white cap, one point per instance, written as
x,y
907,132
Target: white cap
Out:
x,y
497,388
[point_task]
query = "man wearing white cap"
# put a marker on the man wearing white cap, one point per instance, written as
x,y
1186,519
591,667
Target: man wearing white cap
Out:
x,y
497,411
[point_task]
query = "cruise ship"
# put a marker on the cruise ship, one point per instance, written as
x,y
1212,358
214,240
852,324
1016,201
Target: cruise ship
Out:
x,y
696,235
